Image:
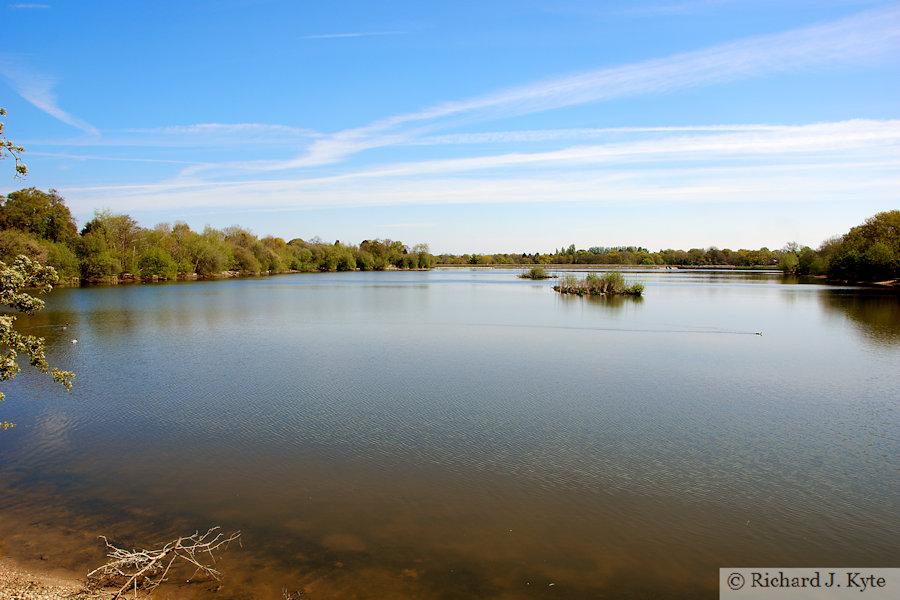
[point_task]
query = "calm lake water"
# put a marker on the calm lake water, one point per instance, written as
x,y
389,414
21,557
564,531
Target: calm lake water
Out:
x,y
463,433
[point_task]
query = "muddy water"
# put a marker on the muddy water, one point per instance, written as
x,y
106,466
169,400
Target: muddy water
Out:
x,y
459,434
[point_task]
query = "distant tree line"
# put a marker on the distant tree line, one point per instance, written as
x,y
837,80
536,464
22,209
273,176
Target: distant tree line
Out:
x,y
623,255
869,252
40,226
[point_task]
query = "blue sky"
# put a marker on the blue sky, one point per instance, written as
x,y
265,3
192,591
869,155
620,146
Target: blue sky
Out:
x,y
508,126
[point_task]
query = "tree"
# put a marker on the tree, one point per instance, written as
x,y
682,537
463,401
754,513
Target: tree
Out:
x,y
121,234
43,214
97,262
7,148
24,273
868,252
157,262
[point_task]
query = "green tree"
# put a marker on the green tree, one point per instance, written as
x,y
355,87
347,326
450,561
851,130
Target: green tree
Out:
x,y
64,260
809,262
868,252
97,262
24,273
365,261
43,214
122,235
157,262
15,243
244,260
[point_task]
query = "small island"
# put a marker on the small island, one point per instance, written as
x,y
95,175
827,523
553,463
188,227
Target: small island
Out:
x,y
535,273
611,283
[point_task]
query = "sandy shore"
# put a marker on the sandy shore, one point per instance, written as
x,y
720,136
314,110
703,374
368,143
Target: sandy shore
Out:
x,y
19,584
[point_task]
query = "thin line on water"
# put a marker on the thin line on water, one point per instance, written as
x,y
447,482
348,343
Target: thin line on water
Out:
x,y
699,331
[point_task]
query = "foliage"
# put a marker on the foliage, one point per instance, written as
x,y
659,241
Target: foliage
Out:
x,y
157,262
800,260
868,252
24,273
43,214
63,259
610,283
15,243
624,255
39,225
535,273
7,148
96,260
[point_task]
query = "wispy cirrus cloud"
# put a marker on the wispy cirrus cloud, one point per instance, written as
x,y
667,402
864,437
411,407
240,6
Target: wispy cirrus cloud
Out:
x,y
857,139
229,129
37,89
544,135
733,183
114,158
727,163
356,34
640,165
678,7
841,43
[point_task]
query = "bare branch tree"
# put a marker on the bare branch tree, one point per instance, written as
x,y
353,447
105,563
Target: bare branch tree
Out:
x,y
147,569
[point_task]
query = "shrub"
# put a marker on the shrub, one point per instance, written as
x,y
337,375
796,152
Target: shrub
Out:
x,y
61,258
612,283
535,273
156,261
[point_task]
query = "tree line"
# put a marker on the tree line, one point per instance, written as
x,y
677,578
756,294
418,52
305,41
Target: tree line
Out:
x,y
624,255
868,252
39,225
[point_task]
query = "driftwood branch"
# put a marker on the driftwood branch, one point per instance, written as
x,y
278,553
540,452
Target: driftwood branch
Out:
x,y
146,569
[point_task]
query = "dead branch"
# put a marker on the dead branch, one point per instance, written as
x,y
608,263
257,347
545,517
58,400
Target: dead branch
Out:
x,y
147,569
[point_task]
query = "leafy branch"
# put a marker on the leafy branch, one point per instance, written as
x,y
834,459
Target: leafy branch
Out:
x,y
11,149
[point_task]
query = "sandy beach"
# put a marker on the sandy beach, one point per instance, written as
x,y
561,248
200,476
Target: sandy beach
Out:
x,y
17,583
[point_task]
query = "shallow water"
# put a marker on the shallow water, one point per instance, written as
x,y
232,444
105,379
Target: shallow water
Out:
x,y
465,433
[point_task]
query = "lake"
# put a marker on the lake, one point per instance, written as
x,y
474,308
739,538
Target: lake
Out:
x,y
463,433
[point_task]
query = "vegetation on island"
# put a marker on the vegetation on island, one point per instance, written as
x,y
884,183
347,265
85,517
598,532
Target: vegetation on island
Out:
x,y
610,283
535,273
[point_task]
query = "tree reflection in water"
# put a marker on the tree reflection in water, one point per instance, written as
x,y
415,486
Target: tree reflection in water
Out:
x,y
876,315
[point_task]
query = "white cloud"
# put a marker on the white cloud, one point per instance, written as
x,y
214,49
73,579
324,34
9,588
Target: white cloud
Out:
x,y
839,43
324,36
844,42
709,185
38,90
871,139
240,129
113,158
743,163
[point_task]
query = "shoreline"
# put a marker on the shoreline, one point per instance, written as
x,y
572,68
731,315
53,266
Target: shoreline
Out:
x,y
21,582
16,581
